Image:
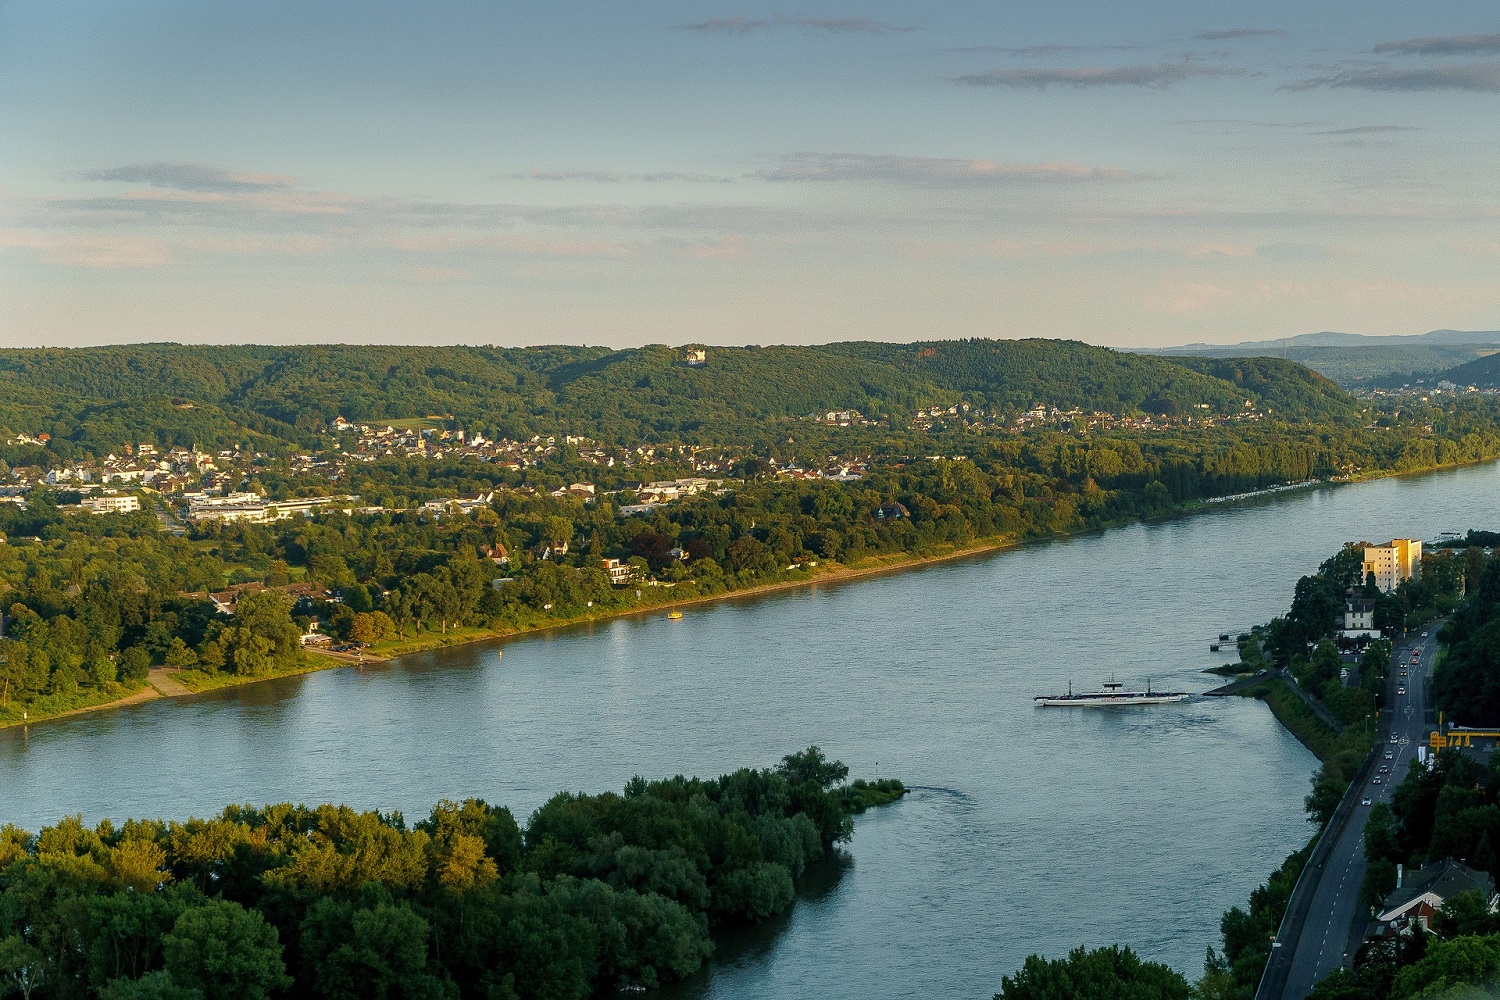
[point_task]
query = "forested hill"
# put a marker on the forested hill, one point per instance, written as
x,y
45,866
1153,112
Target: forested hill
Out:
x,y
103,397
1483,373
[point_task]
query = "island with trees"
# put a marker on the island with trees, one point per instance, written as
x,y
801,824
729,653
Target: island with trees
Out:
x,y
609,892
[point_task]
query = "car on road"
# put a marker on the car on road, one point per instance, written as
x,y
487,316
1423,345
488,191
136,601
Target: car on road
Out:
x,y
1376,780
1395,738
1390,755
1364,802
1424,635
1384,769
1401,689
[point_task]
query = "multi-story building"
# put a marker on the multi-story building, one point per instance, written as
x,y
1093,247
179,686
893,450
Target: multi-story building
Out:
x,y
1393,564
619,573
121,503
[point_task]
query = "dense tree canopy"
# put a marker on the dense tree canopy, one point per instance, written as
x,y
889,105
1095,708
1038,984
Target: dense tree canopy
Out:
x,y
598,892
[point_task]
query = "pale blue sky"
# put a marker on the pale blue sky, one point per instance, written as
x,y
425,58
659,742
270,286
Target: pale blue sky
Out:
x,y
738,173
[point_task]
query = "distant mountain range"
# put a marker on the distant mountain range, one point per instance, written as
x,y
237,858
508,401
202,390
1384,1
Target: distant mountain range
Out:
x,y
1258,348
1359,361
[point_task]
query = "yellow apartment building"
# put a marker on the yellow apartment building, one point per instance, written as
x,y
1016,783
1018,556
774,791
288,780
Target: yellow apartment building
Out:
x,y
1400,560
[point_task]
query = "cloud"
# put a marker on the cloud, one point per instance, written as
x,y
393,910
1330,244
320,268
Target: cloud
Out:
x,y
609,177
1371,130
180,176
508,244
1228,34
1448,45
1221,250
916,171
1187,297
1474,78
725,248
88,249
1162,75
741,25
1036,50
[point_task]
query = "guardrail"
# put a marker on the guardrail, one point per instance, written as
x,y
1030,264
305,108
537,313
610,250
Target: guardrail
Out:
x,y
1278,966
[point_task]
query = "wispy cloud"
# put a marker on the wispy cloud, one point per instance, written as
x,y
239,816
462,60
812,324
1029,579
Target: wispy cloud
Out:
x,y
740,25
1476,77
1445,45
1036,50
1248,123
610,177
1161,75
1228,34
180,176
93,250
1358,130
916,171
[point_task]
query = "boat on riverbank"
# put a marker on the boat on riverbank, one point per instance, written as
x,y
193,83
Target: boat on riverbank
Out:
x,y
1112,693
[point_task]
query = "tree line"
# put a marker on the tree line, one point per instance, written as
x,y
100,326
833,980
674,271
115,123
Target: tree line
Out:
x,y
596,892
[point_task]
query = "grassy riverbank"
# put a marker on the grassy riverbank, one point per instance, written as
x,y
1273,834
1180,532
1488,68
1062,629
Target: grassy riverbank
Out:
x,y
57,706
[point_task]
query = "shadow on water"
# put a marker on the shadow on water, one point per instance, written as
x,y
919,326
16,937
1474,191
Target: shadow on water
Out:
x,y
753,945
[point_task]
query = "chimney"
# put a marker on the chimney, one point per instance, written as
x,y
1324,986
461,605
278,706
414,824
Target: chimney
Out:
x,y
1400,872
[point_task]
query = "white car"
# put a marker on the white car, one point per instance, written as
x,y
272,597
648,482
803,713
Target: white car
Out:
x,y
1364,802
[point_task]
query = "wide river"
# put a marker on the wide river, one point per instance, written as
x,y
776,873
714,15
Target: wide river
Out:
x,y
1029,830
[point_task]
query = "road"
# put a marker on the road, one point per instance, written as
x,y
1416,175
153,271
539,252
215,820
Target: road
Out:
x,y
1330,932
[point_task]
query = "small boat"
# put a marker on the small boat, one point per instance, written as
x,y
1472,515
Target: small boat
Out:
x,y
1113,693
674,615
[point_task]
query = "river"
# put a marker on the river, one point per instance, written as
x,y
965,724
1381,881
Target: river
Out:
x,y
1028,830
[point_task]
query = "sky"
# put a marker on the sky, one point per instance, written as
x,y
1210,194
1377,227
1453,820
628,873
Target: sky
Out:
x,y
463,171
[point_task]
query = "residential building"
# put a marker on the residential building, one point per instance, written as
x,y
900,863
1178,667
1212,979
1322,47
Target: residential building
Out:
x,y
259,511
1359,618
225,601
619,573
1419,896
1394,563
122,503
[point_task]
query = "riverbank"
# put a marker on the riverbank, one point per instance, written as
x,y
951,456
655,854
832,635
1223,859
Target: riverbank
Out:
x,y
655,600
315,660
1296,717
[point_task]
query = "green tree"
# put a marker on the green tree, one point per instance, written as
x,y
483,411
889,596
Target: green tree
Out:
x,y
225,952
1110,973
23,967
135,664
157,985
1464,961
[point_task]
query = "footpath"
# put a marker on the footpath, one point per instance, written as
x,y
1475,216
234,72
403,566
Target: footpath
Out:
x,y
163,679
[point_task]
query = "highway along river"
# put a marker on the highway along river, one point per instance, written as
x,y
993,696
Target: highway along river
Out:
x,y
1029,830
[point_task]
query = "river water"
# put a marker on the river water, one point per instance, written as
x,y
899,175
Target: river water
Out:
x,y
1029,829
